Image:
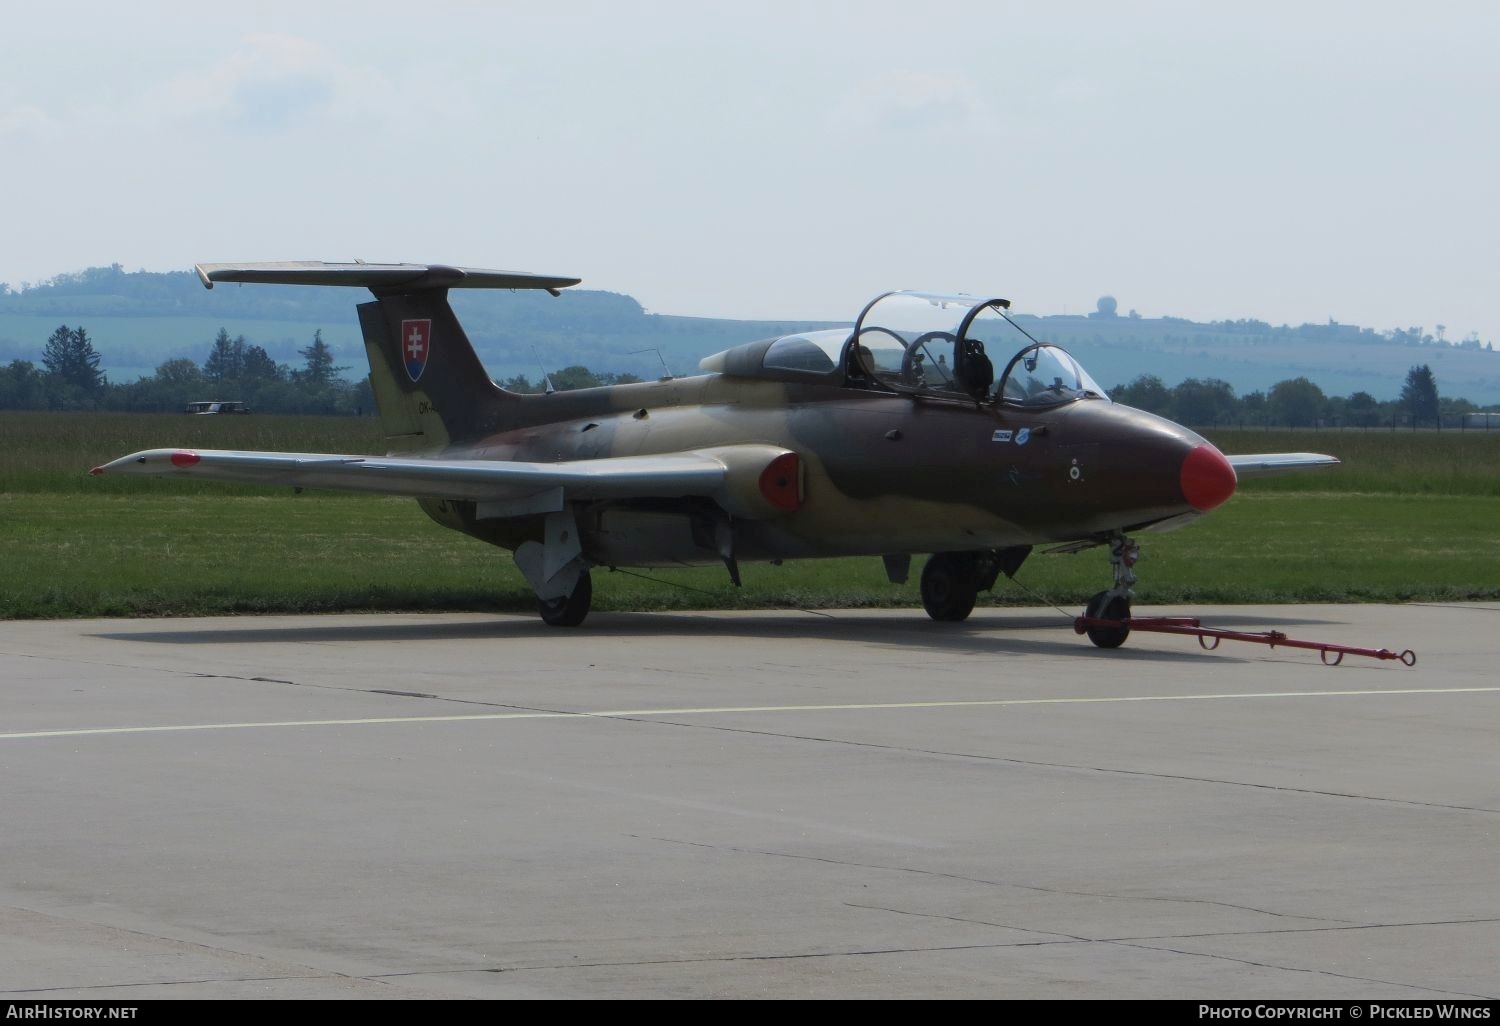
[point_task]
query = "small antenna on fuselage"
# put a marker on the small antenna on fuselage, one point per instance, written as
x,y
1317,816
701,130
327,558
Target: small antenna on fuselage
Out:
x,y
667,371
547,386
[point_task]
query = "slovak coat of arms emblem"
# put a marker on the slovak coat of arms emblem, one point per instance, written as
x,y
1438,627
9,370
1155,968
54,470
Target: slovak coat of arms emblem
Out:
x,y
416,346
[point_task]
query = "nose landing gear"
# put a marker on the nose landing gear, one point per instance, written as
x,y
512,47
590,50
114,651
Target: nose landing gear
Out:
x,y
1114,604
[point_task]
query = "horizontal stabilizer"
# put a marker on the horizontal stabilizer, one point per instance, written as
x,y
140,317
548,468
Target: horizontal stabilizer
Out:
x,y
1266,463
379,278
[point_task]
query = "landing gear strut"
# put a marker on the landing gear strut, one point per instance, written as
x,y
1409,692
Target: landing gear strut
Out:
x,y
569,611
1114,604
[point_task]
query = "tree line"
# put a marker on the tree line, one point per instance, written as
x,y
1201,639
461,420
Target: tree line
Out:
x,y
234,370
1297,402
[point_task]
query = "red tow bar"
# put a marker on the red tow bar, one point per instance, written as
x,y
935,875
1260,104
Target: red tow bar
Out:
x,y
1192,626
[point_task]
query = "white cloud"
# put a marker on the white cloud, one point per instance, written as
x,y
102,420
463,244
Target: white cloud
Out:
x,y
272,83
905,100
23,121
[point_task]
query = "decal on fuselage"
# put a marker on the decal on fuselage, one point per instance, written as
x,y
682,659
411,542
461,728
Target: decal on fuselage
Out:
x,y
1000,436
1023,436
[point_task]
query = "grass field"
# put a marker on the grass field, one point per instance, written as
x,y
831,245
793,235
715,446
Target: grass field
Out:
x,y
1409,516
50,453
1379,462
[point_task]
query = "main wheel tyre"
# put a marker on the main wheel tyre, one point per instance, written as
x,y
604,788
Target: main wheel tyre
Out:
x,y
570,611
950,586
1102,607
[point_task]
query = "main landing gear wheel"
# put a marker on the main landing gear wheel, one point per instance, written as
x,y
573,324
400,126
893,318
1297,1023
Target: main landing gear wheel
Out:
x,y
1104,606
950,586
570,611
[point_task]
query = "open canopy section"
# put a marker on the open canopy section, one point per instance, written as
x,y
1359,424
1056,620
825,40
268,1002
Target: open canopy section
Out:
x,y
931,343
921,343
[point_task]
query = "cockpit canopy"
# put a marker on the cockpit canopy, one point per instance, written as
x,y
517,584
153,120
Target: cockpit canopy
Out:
x,y
922,343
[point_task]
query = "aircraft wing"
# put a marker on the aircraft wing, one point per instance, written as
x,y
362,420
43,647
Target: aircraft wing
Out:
x,y
736,476
1267,463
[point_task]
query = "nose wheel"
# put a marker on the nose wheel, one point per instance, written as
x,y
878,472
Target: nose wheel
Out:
x,y
1108,606
1114,604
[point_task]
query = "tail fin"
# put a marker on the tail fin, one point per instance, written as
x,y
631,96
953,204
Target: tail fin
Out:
x,y
429,385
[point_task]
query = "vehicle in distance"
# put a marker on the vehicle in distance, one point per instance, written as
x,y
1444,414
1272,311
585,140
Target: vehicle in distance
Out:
x,y
215,406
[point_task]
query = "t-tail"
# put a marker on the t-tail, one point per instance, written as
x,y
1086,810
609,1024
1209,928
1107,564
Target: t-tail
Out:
x,y
429,385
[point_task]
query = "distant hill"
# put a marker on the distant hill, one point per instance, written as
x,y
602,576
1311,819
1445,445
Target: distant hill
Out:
x,y
1252,355
138,320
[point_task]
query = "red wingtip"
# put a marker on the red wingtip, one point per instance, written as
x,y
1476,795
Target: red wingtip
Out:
x,y
96,472
1207,478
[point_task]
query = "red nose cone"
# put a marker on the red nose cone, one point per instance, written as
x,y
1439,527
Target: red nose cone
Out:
x,y
186,458
1207,478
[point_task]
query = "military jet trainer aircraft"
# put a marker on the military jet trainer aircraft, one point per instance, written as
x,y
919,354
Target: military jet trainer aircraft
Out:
x,y
891,438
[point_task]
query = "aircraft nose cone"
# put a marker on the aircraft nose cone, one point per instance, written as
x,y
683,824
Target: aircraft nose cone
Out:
x,y
1207,478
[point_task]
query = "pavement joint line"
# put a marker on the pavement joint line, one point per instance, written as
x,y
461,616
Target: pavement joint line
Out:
x,y
725,710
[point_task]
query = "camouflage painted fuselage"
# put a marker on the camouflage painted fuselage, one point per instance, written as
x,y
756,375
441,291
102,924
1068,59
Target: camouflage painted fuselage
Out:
x,y
882,473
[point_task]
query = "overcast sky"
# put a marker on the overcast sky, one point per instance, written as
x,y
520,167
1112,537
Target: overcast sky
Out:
x,y
1291,162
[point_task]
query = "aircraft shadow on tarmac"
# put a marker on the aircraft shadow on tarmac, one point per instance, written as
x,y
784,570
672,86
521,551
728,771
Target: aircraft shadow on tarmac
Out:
x,y
980,635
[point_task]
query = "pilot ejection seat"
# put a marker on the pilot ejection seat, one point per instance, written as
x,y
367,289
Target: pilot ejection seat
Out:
x,y
972,371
